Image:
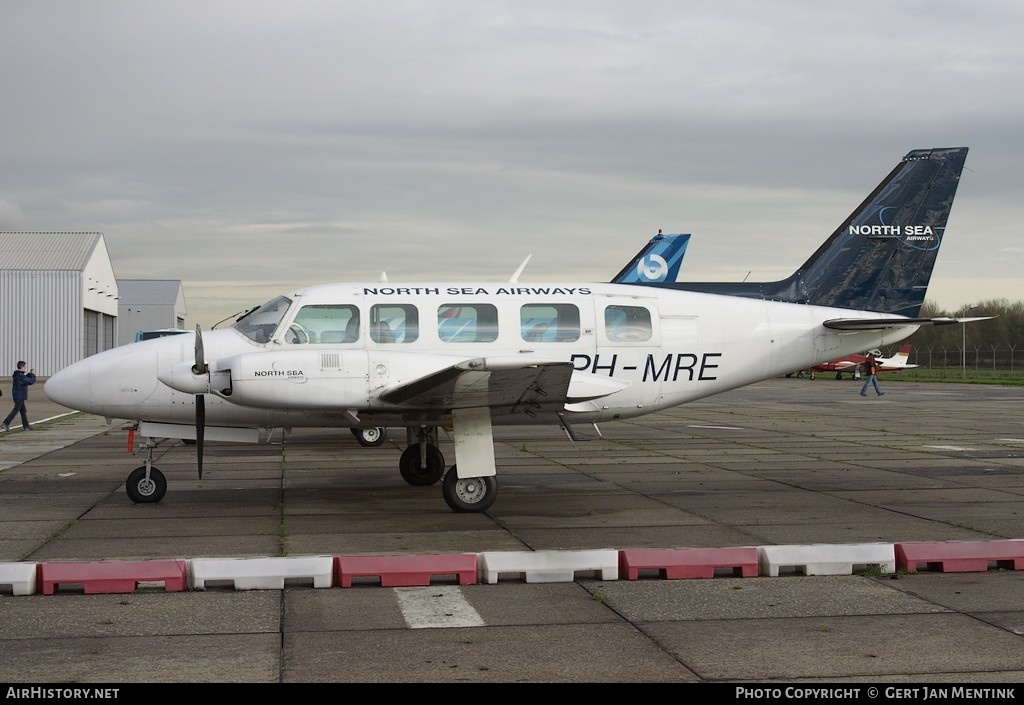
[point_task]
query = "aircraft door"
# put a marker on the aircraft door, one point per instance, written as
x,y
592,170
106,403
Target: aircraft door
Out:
x,y
628,332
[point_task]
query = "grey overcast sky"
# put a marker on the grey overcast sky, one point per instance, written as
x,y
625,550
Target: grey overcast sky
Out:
x,y
248,147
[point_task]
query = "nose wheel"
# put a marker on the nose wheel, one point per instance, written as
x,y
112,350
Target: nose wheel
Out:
x,y
370,437
146,486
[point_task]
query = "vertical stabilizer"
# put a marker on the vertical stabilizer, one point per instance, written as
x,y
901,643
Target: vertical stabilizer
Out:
x,y
659,261
881,257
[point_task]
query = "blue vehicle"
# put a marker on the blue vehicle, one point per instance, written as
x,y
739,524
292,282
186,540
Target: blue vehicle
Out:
x,y
157,333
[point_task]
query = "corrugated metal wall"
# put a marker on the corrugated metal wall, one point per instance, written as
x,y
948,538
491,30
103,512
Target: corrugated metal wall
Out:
x,y
41,320
132,319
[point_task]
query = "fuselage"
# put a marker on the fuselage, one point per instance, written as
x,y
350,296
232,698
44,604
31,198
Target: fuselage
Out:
x,y
324,355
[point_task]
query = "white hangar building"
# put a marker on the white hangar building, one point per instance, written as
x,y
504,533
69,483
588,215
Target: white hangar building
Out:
x,y
149,304
60,299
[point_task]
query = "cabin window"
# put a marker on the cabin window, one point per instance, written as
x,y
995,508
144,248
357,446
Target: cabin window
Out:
x,y
467,323
324,323
627,324
549,323
259,324
394,323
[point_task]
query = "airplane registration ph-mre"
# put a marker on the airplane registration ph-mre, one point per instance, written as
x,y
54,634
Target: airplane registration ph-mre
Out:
x,y
464,356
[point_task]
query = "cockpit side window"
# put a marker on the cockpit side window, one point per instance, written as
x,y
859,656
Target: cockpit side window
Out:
x,y
260,324
324,323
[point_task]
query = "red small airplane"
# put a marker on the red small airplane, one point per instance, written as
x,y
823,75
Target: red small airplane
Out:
x,y
853,363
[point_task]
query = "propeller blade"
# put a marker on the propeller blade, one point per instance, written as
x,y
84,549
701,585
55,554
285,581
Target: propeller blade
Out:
x,y
200,431
200,368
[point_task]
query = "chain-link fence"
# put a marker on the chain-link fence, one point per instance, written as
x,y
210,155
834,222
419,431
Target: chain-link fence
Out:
x,y
978,360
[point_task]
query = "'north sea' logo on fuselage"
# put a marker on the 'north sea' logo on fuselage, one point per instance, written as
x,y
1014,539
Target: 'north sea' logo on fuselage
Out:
x,y
297,376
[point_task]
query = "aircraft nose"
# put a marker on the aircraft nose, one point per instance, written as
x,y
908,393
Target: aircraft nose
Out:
x,y
111,383
71,387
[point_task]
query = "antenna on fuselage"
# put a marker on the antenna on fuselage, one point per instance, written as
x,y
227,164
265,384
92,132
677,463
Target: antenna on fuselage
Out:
x,y
515,277
383,277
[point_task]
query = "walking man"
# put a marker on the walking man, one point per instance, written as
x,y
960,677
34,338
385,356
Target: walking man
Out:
x,y
870,370
20,394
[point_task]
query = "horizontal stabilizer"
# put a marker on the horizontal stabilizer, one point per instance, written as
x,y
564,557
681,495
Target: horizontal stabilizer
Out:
x,y
878,323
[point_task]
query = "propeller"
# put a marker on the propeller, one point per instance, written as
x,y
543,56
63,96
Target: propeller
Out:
x,y
200,368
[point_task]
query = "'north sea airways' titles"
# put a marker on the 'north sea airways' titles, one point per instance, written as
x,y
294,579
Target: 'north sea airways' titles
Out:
x,y
907,232
476,290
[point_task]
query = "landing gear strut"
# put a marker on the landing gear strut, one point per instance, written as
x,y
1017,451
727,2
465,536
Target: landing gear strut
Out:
x,y
422,463
146,484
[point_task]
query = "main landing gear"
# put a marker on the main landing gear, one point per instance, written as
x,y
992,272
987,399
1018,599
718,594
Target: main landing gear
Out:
x,y
422,463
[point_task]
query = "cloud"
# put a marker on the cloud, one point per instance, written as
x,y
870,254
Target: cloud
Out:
x,y
247,147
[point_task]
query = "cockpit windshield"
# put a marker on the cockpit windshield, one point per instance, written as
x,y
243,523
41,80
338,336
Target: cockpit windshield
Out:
x,y
259,325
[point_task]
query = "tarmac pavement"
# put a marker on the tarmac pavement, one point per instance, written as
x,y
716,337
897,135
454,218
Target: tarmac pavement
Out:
x,y
787,461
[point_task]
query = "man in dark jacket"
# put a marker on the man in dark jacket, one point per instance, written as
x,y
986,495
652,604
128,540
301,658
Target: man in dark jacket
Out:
x,y
871,369
20,393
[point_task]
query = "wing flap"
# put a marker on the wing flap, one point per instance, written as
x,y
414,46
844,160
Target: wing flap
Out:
x,y
478,383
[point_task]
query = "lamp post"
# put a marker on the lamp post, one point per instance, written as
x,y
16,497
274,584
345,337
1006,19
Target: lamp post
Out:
x,y
963,358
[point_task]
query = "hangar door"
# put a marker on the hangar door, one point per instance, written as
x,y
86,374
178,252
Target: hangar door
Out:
x,y
99,333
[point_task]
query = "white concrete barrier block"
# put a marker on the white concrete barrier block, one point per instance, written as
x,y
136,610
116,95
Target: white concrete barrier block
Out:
x,y
261,573
20,576
826,559
548,566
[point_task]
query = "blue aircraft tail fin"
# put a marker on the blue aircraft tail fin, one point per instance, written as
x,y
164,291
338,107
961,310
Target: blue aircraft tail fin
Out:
x,y
881,257
659,261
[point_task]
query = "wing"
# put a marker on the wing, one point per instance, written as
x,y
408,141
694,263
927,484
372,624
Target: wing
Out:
x,y
503,386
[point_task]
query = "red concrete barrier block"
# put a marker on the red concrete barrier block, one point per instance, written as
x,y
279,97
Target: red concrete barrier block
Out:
x,y
406,571
104,577
960,556
676,563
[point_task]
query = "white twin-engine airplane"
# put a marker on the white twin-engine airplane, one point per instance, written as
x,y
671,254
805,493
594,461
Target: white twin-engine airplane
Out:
x,y
465,356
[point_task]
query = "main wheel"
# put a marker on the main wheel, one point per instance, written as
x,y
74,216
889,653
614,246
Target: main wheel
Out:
x,y
469,494
414,472
143,491
370,437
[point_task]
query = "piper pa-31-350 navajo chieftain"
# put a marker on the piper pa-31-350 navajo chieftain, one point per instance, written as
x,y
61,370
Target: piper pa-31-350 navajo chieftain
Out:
x,y
466,355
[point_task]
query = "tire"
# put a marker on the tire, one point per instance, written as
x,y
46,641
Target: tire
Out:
x,y
469,494
416,474
370,437
143,491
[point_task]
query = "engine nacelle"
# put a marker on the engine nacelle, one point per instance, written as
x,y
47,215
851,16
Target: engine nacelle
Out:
x,y
294,379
